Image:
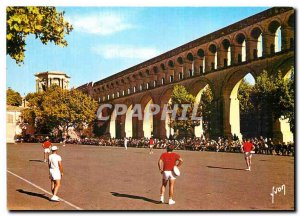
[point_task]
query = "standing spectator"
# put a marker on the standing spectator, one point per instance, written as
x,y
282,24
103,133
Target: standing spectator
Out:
x,y
125,142
55,172
46,145
168,160
247,148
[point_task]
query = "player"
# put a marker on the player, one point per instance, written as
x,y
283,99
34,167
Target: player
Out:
x,y
166,164
151,145
247,148
125,142
46,145
55,172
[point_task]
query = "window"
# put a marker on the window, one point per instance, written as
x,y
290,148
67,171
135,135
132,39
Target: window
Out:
x,y
134,89
147,85
141,87
113,96
154,83
180,76
118,94
123,93
163,81
128,91
107,97
171,78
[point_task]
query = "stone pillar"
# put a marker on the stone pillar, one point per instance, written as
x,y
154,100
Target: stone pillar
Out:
x,y
122,126
187,66
216,123
231,114
198,62
221,55
37,85
282,131
251,46
268,41
287,36
140,132
208,60
177,70
236,50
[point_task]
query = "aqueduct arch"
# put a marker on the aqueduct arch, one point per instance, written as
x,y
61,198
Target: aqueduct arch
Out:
x,y
223,57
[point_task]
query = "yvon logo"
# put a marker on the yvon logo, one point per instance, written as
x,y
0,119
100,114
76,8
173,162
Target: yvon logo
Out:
x,y
276,190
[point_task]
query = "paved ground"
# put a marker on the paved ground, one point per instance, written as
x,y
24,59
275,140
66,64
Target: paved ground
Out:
x,y
107,178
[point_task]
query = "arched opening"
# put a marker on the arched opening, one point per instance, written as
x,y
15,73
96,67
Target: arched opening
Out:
x,y
213,60
241,47
128,122
256,34
248,118
227,57
200,53
275,28
148,120
180,76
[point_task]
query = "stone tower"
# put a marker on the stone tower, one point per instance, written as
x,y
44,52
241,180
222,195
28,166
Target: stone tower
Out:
x,y
49,78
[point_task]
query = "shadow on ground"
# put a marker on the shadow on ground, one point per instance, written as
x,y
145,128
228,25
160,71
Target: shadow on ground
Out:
x,y
41,161
135,197
226,168
33,194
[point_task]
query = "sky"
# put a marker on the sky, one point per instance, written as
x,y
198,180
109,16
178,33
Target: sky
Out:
x,y
107,40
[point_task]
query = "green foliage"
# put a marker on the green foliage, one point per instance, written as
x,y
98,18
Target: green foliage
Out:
x,y
207,108
13,98
44,22
275,94
245,96
61,109
181,96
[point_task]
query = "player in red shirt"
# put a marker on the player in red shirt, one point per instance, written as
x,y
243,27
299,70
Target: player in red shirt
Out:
x,y
247,148
46,145
166,164
151,145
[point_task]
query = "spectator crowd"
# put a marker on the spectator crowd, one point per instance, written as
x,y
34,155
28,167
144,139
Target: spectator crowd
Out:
x,y
262,145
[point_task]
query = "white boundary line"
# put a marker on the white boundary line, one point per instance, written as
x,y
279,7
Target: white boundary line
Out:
x,y
34,185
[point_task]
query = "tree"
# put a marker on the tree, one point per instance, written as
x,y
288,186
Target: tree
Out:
x,y
44,22
60,109
13,98
207,109
180,96
274,95
245,96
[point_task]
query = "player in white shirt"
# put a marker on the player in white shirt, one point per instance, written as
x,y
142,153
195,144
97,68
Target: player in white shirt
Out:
x,y
55,172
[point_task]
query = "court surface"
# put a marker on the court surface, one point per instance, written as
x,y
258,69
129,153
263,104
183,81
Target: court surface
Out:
x,y
111,178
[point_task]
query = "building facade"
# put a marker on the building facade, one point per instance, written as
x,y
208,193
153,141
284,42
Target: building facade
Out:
x,y
46,79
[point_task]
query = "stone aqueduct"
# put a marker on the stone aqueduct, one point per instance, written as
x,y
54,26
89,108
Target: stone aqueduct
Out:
x,y
220,59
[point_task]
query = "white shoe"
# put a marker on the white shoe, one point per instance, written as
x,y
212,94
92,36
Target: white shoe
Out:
x,y
55,198
248,169
171,202
162,199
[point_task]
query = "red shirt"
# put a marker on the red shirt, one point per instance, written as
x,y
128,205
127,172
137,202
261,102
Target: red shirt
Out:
x,y
47,144
247,146
169,160
151,142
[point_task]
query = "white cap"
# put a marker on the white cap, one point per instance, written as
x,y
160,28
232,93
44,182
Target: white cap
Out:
x,y
53,148
47,137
